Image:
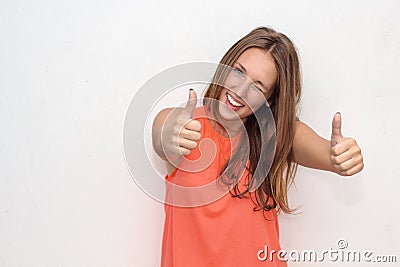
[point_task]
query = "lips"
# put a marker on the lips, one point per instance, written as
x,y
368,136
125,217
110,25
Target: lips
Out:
x,y
232,102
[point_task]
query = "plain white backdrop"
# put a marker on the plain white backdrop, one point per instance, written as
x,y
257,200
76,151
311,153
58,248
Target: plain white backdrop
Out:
x,y
69,69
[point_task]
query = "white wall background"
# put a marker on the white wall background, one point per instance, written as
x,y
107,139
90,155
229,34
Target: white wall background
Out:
x,y
69,69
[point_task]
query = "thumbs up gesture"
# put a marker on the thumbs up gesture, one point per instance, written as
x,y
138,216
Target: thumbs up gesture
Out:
x,y
345,153
180,132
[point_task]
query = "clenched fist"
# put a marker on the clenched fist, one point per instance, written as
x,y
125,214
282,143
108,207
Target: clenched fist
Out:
x,y
180,133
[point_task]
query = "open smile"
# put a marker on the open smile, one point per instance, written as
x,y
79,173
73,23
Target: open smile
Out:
x,y
233,103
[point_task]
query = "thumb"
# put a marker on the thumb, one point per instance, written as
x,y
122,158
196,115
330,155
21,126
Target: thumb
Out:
x,y
336,136
191,103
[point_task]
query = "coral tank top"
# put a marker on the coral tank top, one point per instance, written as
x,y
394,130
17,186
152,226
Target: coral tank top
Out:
x,y
204,225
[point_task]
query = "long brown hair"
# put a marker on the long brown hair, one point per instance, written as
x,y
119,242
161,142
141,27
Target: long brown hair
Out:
x,y
283,103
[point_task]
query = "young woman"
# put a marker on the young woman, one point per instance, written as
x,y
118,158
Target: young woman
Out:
x,y
263,74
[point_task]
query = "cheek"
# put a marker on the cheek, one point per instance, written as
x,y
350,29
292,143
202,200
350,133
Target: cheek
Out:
x,y
254,102
255,107
221,93
229,82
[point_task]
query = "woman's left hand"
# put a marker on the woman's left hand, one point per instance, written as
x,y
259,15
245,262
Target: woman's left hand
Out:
x,y
346,155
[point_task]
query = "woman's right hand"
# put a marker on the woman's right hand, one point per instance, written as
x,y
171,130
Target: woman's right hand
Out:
x,y
175,133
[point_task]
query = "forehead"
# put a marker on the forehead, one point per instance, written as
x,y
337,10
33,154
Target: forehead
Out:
x,y
259,65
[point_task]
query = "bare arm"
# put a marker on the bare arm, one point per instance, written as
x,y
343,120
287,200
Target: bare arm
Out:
x,y
311,150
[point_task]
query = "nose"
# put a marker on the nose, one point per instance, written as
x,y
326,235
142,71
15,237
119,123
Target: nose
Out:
x,y
242,88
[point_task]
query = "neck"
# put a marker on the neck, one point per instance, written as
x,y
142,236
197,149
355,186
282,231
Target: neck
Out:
x,y
228,128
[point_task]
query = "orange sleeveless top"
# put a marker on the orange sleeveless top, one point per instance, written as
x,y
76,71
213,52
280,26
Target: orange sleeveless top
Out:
x,y
226,232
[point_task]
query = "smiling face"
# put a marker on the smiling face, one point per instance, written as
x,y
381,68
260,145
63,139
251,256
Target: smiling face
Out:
x,y
248,85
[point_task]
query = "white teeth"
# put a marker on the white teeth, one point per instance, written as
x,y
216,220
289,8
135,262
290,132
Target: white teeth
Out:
x,y
233,102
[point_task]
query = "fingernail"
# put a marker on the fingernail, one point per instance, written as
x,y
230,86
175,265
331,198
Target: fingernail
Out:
x,y
191,89
338,112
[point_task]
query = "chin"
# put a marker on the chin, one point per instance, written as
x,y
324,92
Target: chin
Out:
x,y
225,112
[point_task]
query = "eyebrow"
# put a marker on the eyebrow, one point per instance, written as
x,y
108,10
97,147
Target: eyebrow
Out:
x,y
245,71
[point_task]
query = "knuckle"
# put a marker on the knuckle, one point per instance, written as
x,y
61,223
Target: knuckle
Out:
x,y
196,125
184,151
194,144
337,167
347,173
187,124
335,150
195,136
198,136
191,145
181,133
181,141
359,159
343,166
